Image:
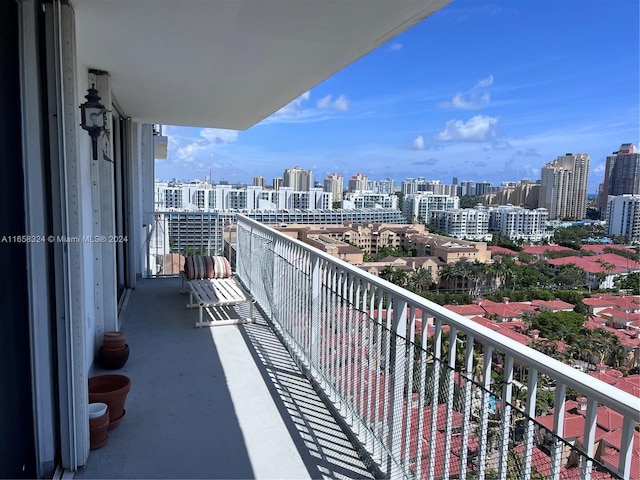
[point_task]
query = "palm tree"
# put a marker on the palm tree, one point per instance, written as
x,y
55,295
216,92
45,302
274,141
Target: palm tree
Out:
x,y
420,280
387,273
399,277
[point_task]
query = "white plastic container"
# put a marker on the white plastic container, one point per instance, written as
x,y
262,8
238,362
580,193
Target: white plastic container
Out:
x,y
97,410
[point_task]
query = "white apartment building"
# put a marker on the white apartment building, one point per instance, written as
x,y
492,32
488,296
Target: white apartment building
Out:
x,y
421,185
563,186
519,223
419,205
462,223
412,185
387,186
179,195
206,197
623,216
369,199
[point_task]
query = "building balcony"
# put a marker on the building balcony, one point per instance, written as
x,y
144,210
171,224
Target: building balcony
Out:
x,y
424,391
224,402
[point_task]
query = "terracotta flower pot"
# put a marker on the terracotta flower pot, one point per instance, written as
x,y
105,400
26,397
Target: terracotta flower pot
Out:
x,y
98,428
113,359
111,389
113,340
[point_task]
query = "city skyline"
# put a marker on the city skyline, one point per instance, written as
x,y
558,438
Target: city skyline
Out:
x,y
479,91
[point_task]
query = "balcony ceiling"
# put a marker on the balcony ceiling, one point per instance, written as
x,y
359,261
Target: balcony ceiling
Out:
x,y
229,63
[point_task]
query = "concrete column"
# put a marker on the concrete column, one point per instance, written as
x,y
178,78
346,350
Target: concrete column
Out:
x,y
103,203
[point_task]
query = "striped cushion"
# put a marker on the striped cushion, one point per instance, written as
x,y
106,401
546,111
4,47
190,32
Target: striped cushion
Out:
x,y
197,267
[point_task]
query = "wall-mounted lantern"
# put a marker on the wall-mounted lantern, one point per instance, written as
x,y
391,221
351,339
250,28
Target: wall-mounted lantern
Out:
x,y
93,116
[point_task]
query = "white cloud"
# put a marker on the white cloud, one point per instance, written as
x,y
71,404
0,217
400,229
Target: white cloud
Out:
x,y
341,103
476,129
600,168
188,145
394,47
485,82
418,143
219,135
294,107
473,99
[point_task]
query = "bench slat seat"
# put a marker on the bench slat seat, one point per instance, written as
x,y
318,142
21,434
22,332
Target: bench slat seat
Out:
x,y
217,292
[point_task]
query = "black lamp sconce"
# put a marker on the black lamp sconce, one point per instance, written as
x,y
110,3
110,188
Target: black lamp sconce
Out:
x,y
94,118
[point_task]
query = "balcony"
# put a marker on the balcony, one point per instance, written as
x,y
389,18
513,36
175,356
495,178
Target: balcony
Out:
x,y
225,402
426,392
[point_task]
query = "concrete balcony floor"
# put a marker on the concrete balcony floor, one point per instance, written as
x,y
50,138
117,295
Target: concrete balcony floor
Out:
x,y
219,402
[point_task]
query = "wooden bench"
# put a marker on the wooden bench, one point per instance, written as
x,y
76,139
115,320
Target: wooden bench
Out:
x,y
210,284
213,293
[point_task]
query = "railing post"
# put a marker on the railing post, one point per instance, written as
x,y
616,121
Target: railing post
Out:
x,y
468,407
589,437
316,284
397,372
435,395
558,430
530,409
626,447
507,390
484,420
453,344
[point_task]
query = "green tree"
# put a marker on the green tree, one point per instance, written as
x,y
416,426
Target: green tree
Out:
x,y
629,282
558,325
570,276
468,201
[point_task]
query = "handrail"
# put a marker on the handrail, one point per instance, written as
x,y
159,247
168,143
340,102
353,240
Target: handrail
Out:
x,y
597,391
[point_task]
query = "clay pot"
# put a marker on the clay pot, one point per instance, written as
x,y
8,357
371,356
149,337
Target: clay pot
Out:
x,y
113,359
113,340
98,428
111,389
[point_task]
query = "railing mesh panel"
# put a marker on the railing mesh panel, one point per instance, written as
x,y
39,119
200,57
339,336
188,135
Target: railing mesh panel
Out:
x,y
389,371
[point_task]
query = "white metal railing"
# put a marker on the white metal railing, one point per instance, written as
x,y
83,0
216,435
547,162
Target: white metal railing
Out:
x,y
427,392
173,234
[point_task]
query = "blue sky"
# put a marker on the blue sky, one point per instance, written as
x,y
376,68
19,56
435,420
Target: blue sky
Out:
x,y
483,91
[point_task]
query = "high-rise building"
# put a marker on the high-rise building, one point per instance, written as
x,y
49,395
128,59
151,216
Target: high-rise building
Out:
x,y
563,186
482,188
621,175
258,181
623,216
298,179
387,186
465,223
519,223
334,183
418,206
468,187
358,183
277,183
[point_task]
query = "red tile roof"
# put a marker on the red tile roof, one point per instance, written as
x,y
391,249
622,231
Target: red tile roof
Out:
x,y
466,310
542,249
495,249
600,248
594,264
628,303
598,302
619,314
552,304
501,310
